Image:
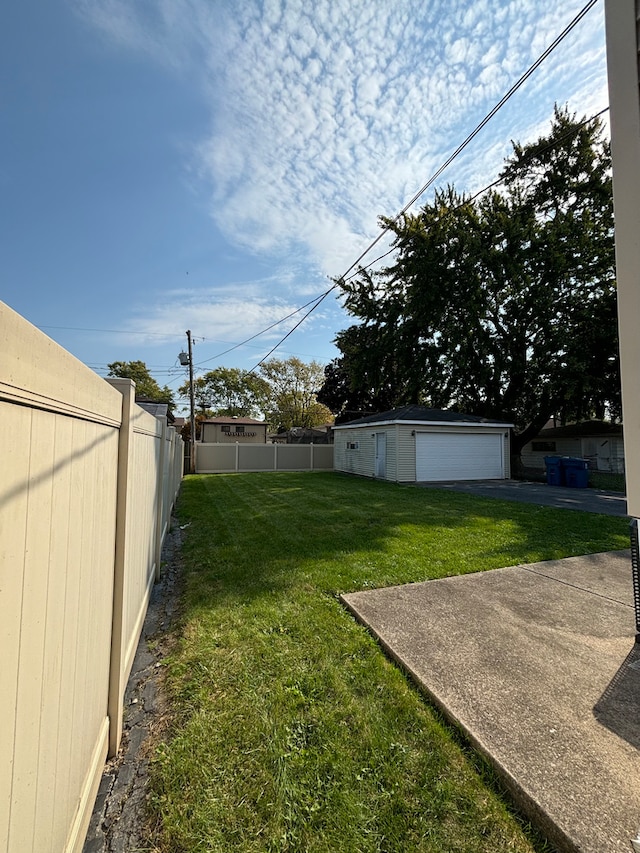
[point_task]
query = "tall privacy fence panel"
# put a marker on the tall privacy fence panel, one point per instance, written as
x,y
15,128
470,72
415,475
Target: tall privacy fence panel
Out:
x,y
235,458
87,484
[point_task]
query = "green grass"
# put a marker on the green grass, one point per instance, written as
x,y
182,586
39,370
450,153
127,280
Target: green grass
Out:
x,y
604,480
597,479
291,730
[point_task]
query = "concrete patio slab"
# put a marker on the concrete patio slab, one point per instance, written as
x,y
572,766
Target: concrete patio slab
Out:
x,y
538,665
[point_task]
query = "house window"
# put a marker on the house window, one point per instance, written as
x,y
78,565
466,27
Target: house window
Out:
x,y
226,428
353,445
543,446
239,430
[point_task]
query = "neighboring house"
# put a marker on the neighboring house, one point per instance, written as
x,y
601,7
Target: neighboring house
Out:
x,y
225,430
417,444
600,442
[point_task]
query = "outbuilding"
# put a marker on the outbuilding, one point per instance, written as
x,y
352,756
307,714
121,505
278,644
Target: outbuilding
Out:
x,y
417,444
229,430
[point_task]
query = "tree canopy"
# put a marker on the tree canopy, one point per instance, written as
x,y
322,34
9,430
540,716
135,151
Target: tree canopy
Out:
x,y
292,400
502,306
229,391
146,385
283,392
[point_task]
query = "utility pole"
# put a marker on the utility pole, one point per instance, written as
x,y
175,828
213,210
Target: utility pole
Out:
x,y
192,448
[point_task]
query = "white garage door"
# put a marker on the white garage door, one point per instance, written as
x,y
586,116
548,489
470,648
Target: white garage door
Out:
x,y
458,456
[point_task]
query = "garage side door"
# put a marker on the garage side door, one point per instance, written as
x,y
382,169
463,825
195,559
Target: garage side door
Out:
x,y
458,456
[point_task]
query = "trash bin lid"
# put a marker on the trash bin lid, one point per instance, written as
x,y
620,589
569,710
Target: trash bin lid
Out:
x,y
574,462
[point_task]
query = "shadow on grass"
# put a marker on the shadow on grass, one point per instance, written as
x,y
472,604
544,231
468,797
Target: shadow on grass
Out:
x,y
262,534
269,654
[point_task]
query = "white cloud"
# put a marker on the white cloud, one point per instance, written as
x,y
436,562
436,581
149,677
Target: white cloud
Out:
x,y
324,116
230,313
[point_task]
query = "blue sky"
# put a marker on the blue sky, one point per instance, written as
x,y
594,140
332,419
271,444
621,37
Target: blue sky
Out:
x,y
209,164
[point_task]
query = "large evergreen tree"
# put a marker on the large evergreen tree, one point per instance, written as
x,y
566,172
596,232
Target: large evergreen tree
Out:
x,y
503,306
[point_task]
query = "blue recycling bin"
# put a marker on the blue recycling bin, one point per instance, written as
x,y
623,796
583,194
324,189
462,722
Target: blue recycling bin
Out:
x,y
555,472
576,472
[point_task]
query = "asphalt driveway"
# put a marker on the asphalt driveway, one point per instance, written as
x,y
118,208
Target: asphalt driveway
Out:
x,y
583,500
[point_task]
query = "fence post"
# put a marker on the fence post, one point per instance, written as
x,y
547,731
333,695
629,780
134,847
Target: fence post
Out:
x,y
275,455
176,474
116,680
237,456
178,471
311,456
635,572
160,497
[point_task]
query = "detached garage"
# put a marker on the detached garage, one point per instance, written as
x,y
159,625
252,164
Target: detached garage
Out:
x,y
417,444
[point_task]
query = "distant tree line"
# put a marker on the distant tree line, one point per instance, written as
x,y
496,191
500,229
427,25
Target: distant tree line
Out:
x,y
283,392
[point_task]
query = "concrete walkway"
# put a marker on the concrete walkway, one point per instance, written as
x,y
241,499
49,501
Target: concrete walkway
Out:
x,y
537,664
585,500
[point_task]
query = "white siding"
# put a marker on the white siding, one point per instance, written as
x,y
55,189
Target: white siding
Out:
x,y
392,451
360,460
617,456
406,470
564,447
605,453
401,450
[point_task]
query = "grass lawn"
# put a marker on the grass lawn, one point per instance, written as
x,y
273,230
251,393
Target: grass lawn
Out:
x,y
292,731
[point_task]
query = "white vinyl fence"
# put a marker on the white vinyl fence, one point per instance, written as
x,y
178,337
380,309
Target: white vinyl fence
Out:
x,y
235,458
87,483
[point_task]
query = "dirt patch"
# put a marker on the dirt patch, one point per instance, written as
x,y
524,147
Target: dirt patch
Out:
x,y
120,822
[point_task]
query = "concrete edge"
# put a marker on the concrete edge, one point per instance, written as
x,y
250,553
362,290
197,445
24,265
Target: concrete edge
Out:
x,y
525,804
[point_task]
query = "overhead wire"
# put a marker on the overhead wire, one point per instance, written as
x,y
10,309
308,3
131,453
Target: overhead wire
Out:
x,y
291,331
434,177
259,334
349,276
351,271
484,189
175,371
111,331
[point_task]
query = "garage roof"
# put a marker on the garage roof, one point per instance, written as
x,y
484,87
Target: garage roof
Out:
x,y
582,430
232,419
421,415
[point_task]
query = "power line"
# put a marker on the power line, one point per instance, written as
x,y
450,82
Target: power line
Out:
x,y
585,9
175,372
111,331
264,331
348,274
490,186
291,331
480,126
